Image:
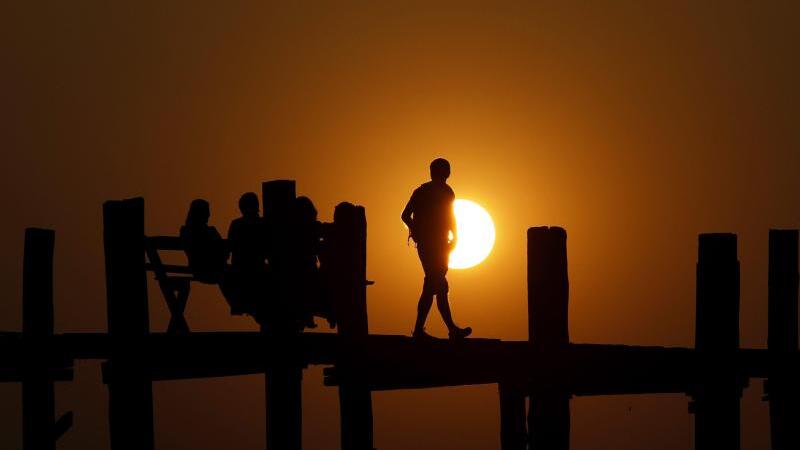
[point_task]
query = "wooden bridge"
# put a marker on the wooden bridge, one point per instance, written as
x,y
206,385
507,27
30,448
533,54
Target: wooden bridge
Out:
x,y
545,371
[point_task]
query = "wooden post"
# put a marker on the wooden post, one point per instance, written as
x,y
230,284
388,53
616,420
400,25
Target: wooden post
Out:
x,y
718,392
548,331
130,387
783,290
277,197
781,386
283,378
38,392
349,247
717,321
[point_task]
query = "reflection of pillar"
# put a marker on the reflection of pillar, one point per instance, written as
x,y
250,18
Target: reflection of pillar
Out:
x,y
130,391
38,395
513,434
783,395
283,378
716,402
284,405
349,249
548,332
549,421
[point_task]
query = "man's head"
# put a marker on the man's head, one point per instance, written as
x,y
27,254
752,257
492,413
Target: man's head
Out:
x,y
248,204
440,169
199,212
304,210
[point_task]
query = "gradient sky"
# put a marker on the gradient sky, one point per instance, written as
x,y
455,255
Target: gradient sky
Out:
x,y
635,126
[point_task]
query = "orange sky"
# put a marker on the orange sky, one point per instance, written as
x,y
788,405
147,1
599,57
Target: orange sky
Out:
x,y
634,127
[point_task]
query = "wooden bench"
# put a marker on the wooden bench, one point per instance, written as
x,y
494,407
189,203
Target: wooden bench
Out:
x,y
173,280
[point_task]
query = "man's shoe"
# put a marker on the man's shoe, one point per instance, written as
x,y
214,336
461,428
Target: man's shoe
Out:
x,y
421,334
460,333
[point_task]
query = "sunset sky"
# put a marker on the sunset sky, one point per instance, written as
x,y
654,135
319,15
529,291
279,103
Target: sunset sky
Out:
x,y
634,126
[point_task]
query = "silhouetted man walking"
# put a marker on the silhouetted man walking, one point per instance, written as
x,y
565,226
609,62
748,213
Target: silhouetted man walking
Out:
x,y
431,221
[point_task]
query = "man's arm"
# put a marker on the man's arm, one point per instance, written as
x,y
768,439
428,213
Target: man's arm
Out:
x,y
407,213
452,225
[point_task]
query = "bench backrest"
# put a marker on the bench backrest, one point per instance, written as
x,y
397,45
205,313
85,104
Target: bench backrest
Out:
x,y
153,244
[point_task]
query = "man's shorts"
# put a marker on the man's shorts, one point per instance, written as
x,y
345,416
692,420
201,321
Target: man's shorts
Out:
x,y
434,259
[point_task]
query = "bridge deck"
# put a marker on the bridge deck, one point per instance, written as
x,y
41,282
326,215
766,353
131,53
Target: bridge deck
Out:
x,y
400,362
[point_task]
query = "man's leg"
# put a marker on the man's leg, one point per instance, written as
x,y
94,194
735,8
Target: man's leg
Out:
x,y
444,309
443,303
438,275
423,308
426,298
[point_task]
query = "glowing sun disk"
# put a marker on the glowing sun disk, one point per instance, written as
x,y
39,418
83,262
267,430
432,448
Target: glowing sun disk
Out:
x,y
475,235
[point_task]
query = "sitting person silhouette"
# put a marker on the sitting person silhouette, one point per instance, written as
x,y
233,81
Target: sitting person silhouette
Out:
x,y
203,244
245,282
306,230
431,221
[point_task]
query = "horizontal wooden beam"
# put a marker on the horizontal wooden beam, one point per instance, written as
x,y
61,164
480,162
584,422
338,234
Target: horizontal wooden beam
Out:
x,y
400,362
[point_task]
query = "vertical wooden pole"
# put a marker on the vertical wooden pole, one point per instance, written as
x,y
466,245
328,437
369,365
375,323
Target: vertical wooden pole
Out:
x,y
130,388
717,397
277,197
783,290
548,287
38,392
350,299
781,386
548,331
283,378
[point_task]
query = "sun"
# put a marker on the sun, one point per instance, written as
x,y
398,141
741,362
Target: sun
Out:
x,y
475,235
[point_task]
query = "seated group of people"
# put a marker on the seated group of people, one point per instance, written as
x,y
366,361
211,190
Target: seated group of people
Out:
x,y
273,273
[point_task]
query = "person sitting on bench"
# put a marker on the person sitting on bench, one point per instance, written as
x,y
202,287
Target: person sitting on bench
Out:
x,y
203,244
245,283
307,232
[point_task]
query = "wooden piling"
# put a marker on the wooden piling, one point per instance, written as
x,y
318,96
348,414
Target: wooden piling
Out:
x,y
548,332
127,374
781,386
283,378
717,320
783,290
717,395
278,197
548,287
38,391
349,248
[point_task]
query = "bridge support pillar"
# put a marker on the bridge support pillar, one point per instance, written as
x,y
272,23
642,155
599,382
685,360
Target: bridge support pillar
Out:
x,y
130,388
781,387
284,375
348,242
38,392
717,395
548,333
